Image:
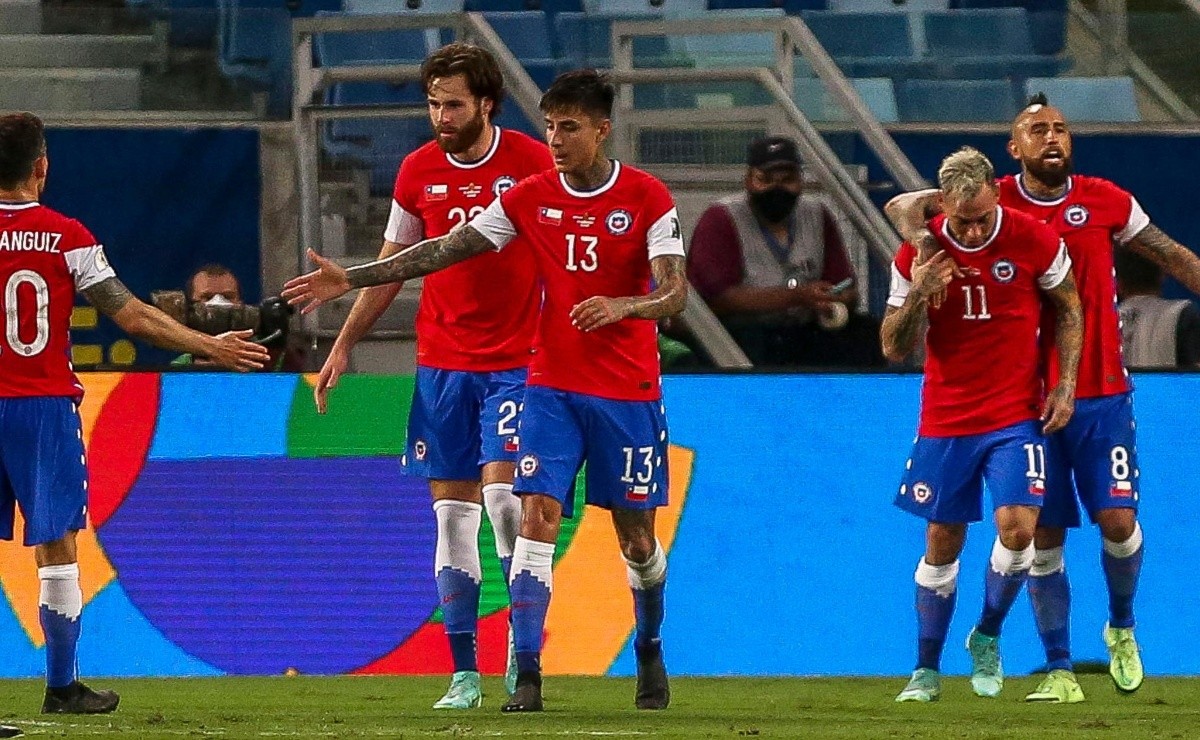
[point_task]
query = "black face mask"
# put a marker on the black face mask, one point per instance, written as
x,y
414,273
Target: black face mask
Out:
x,y
775,204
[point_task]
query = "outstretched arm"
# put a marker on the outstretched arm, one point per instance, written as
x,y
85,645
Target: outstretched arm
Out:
x,y
229,350
1068,339
667,298
330,280
1175,259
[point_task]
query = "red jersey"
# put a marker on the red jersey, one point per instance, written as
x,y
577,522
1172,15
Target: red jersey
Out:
x,y
590,243
478,315
1091,216
44,258
981,368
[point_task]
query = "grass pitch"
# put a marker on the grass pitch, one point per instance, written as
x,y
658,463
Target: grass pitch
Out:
x,y
388,707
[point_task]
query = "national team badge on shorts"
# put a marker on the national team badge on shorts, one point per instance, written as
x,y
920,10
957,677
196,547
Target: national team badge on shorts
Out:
x,y
502,183
641,494
618,222
1004,271
1037,487
1121,489
512,444
419,450
922,493
527,466
1076,216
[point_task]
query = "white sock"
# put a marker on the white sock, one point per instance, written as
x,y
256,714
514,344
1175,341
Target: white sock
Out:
x,y
535,557
1008,562
504,512
60,590
1047,562
650,573
458,537
1126,548
941,579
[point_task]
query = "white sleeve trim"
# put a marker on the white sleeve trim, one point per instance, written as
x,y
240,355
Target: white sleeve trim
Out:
x,y
495,225
88,266
1058,269
664,236
403,228
1138,220
899,289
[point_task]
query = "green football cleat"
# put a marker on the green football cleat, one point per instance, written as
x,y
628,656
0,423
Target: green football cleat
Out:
x,y
1124,658
1058,687
464,692
510,667
987,675
924,686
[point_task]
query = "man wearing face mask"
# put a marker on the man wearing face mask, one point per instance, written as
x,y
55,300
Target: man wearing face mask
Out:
x,y
772,266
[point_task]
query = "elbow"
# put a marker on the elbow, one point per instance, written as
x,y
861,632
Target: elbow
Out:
x,y
679,300
893,354
893,208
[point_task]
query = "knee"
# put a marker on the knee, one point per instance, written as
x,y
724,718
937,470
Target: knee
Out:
x,y
638,548
1117,525
1016,535
540,517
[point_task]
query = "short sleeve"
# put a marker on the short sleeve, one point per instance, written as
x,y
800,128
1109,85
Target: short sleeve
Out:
x,y
85,258
1137,221
403,228
1058,270
495,225
664,236
901,282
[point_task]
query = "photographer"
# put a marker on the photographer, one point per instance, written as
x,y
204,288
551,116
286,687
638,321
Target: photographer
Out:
x,y
213,304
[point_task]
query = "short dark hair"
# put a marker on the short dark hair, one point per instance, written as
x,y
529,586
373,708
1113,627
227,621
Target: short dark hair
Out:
x,y
1136,272
584,89
212,269
1038,98
484,78
22,141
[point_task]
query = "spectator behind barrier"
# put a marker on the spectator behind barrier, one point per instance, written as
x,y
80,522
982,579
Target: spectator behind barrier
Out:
x,y
772,266
1157,333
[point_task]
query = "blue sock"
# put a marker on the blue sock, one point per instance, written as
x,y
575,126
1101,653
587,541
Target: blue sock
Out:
x,y
1122,575
1051,598
59,606
506,568
648,581
529,590
1006,574
937,590
459,595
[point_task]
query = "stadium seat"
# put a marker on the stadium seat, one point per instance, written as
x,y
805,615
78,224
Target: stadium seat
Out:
x,y
254,45
549,7
377,143
1108,99
815,101
584,40
862,34
791,7
624,7
1047,20
985,44
384,7
731,49
887,6
956,100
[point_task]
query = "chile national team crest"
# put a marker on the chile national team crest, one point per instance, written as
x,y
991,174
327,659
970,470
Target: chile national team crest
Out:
x,y
1076,216
502,183
1004,271
921,492
618,222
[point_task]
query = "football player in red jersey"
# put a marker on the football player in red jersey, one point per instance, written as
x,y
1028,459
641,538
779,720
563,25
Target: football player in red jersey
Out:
x,y
1098,447
599,230
981,400
475,326
45,258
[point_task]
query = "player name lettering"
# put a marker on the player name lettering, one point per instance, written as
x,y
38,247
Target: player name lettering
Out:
x,y
29,241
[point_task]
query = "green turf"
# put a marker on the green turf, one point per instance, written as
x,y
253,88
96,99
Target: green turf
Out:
x,y
386,707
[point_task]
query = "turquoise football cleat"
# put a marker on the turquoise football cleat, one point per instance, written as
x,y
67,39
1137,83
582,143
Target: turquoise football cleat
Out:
x,y
924,686
464,692
987,675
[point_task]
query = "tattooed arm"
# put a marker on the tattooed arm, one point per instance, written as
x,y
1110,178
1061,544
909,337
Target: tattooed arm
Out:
x,y
1175,259
331,280
1068,339
667,298
909,213
229,350
902,325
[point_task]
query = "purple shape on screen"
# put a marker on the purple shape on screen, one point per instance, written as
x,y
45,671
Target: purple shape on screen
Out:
x,y
257,565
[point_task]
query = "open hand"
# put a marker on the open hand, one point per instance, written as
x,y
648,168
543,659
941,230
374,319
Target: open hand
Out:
x,y
320,286
233,351
599,311
1058,409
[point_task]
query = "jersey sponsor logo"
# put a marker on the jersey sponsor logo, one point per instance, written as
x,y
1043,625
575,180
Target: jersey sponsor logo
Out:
x,y
551,216
585,221
1004,271
502,183
420,449
618,222
922,492
1076,215
470,190
527,466
29,241
437,192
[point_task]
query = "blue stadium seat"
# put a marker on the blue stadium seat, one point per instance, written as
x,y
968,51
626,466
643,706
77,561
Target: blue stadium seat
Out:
x,y
584,40
549,7
878,93
378,144
1047,20
887,6
791,7
374,47
731,49
526,34
383,7
1108,99
952,101
624,7
985,44
862,34
254,45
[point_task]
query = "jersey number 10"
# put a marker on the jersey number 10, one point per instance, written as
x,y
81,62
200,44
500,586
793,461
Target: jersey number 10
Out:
x,y
12,322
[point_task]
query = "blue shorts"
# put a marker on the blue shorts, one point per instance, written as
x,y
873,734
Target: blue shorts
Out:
x,y
943,479
460,421
623,442
42,468
1094,457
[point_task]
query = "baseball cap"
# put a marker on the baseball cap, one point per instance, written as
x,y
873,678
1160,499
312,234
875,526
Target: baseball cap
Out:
x,y
771,152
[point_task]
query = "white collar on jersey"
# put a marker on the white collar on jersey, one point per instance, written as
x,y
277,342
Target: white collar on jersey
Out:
x,y
1043,201
612,180
8,205
482,160
991,237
